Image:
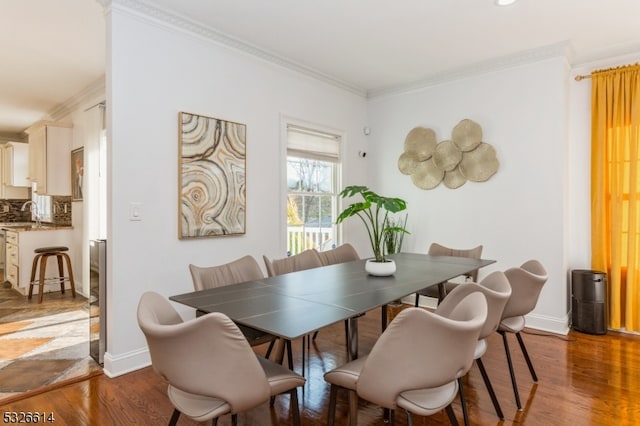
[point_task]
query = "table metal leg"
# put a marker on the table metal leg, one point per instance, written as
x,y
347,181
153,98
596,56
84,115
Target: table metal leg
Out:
x,y
384,317
353,338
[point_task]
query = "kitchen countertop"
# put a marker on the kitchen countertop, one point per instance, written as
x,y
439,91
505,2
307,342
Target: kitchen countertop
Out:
x,y
30,226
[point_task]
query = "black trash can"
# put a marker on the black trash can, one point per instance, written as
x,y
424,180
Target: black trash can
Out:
x,y
589,301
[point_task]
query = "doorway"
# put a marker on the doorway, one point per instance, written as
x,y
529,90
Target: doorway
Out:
x,y
42,344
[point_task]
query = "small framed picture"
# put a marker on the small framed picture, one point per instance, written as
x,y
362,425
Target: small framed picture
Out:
x,y
77,174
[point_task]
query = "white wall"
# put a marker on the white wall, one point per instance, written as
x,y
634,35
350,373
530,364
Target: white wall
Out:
x,y
154,72
521,212
536,206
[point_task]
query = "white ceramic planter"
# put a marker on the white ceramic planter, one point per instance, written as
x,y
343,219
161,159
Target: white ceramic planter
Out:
x,y
380,269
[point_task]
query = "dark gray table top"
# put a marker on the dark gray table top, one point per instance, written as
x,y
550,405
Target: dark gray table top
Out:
x,y
293,305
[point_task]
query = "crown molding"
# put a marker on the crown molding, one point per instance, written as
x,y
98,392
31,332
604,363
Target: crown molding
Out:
x,y
95,89
562,49
12,137
168,19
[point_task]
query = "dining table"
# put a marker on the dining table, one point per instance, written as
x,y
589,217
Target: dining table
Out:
x,y
296,304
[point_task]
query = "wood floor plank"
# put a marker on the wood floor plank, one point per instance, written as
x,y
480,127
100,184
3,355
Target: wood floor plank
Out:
x,y
583,380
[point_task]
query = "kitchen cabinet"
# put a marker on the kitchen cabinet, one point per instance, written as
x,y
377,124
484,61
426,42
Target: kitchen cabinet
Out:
x,y
20,245
49,157
14,166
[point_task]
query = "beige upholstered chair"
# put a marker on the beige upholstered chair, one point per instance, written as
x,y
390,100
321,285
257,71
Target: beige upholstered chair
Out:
x,y
240,270
209,366
526,284
340,254
497,291
441,290
416,362
308,259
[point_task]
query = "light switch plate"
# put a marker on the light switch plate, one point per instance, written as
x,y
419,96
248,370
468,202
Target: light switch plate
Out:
x,y
135,211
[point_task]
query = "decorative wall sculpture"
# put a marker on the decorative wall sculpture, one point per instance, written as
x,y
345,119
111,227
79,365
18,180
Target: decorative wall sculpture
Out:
x,y
212,181
464,157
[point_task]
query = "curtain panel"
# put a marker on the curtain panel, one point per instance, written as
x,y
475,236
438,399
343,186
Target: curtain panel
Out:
x,y
615,186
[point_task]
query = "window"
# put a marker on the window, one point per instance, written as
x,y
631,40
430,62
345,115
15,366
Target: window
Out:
x,y
313,171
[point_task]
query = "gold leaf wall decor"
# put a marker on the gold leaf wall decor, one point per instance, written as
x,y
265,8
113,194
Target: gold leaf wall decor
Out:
x,y
463,158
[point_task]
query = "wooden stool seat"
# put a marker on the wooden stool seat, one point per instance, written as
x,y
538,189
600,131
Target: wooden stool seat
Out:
x,y
51,249
40,262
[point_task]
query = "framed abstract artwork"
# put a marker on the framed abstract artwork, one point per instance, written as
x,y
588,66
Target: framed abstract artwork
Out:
x,y
77,174
212,183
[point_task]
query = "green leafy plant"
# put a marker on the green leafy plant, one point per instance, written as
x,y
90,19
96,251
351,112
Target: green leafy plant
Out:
x,y
374,212
393,239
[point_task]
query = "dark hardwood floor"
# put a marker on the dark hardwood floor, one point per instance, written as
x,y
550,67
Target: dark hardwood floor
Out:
x,y
583,380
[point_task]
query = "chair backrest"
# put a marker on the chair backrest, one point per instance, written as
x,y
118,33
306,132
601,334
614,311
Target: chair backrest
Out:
x,y
240,270
439,250
205,356
340,254
496,290
308,259
526,284
420,349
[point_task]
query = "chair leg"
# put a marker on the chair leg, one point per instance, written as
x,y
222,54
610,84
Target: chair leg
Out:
x,y
534,376
442,292
346,335
214,422
289,354
417,300
409,418
452,416
234,419
304,351
487,383
463,403
294,407
315,334
511,372
174,417
269,349
333,393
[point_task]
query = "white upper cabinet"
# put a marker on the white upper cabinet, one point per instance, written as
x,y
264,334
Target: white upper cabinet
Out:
x,y
50,157
14,166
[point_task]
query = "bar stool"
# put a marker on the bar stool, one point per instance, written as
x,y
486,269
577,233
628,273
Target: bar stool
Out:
x,y
42,255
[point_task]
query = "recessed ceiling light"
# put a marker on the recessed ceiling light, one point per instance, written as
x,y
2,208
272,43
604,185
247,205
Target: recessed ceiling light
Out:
x,y
505,2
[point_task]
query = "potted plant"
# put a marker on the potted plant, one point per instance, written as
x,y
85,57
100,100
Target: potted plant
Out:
x,y
374,211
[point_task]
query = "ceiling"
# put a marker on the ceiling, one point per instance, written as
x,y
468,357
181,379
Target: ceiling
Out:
x,y
52,50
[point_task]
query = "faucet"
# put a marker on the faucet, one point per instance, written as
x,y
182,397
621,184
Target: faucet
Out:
x,y
33,208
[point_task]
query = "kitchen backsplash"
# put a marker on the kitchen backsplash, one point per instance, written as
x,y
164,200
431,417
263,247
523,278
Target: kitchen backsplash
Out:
x,y
11,210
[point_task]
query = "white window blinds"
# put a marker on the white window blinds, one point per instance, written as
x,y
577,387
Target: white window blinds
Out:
x,y
306,143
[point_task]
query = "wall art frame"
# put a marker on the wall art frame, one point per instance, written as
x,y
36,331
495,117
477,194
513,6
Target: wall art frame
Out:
x,y
77,174
212,176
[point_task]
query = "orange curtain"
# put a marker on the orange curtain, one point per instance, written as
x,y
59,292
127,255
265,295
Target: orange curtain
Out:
x,y
615,187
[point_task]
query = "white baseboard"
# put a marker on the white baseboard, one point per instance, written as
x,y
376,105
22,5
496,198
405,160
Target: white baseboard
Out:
x,y
126,363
